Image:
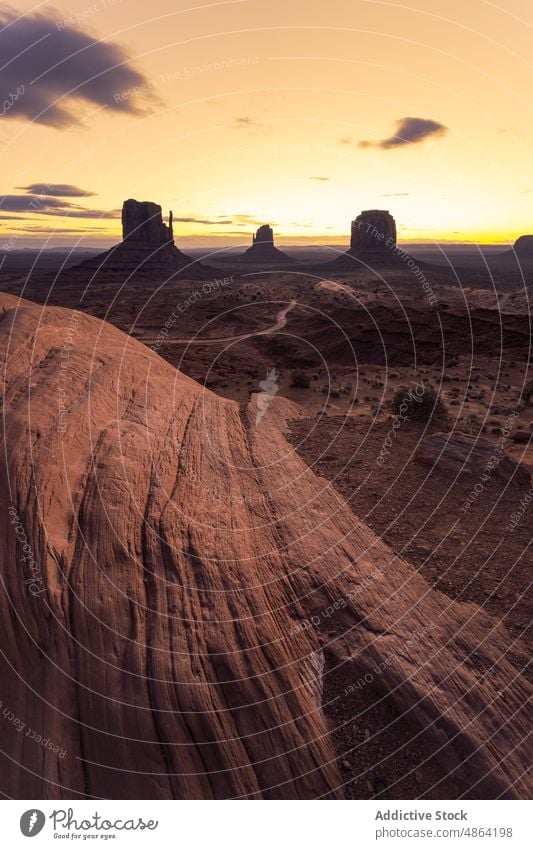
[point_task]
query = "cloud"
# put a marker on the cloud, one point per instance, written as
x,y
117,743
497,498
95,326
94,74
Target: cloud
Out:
x,y
204,220
244,122
39,205
396,195
51,68
409,131
239,220
61,231
245,220
346,140
321,179
57,190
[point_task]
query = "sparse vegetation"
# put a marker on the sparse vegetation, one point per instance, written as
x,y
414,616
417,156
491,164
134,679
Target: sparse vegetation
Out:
x,y
416,404
299,379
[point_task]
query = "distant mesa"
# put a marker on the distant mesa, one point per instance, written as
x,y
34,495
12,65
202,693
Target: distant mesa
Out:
x,y
264,235
142,221
520,256
147,246
373,240
263,251
374,230
524,247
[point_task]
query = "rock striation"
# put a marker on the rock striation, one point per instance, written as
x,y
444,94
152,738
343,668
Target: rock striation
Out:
x,y
263,251
178,588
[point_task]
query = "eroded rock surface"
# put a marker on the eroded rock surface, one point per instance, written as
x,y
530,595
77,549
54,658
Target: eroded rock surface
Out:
x,y
166,565
460,452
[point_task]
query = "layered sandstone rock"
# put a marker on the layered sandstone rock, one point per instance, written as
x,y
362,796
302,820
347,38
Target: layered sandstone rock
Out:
x,y
178,586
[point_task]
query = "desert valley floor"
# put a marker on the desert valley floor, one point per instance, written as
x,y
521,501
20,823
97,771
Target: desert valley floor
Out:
x,y
231,570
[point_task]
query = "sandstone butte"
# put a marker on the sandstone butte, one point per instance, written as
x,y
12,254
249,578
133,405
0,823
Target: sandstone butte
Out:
x,y
180,549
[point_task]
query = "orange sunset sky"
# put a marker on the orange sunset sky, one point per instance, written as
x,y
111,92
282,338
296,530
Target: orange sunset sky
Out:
x,y
242,112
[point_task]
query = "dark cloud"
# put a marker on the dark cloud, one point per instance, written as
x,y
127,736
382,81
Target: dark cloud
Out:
x,y
39,205
25,203
244,122
409,131
396,195
57,190
73,211
51,68
238,220
238,233
346,140
321,179
60,232
204,220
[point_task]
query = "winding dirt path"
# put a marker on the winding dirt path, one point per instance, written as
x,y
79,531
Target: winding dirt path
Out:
x,y
279,324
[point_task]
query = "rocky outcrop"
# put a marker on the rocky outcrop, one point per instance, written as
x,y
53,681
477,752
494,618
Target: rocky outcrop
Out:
x,y
522,436
177,587
142,222
264,235
523,247
147,250
373,244
462,453
263,251
374,230
519,258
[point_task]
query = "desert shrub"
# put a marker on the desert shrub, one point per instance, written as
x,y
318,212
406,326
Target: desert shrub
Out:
x,y
299,379
527,393
422,402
